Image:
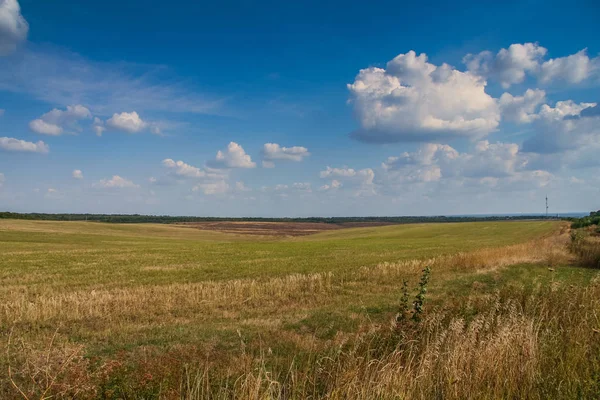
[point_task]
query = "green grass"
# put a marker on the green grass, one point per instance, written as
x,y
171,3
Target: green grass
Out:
x,y
40,260
71,255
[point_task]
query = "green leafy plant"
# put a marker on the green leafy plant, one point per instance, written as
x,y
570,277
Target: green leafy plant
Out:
x,y
420,297
404,310
418,303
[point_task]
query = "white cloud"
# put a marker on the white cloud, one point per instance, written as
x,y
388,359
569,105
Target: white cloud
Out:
x,y
572,69
364,176
494,165
2,179
56,121
57,76
509,65
11,144
2,111
77,174
512,65
273,151
521,109
44,128
566,126
127,122
98,126
302,186
335,184
361,182
13,27
233,157
116,182
413,100
212,188
180,168
241,187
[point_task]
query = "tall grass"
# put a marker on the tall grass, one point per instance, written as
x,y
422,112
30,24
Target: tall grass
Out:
x,y
586,248
537,345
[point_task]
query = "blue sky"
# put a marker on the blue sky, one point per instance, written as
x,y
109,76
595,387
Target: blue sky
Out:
x,y
306,109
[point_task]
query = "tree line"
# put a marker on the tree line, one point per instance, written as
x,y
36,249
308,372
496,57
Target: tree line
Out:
x,y
592,219
168,219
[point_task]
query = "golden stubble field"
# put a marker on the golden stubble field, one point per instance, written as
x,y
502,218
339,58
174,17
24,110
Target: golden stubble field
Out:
x,y
92,310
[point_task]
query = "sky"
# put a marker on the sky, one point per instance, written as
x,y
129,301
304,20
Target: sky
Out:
x,y
296,109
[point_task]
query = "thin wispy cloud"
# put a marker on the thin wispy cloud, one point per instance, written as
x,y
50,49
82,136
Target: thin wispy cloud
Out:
x,y
62,78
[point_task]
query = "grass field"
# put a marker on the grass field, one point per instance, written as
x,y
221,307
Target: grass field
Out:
x,y
132,311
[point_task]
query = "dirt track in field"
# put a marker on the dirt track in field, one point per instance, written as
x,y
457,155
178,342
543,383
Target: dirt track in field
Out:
x,y
275,228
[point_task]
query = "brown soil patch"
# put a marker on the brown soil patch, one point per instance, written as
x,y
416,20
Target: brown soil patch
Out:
x,y
275,228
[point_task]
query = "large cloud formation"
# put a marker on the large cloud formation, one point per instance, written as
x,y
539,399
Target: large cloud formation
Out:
x,y
414,100
13,27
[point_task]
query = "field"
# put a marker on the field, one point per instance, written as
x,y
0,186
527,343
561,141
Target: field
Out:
x,y
276,228
93,310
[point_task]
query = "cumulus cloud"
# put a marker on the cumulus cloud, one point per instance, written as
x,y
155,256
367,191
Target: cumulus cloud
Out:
x,y
56,122
126,122
361,182
521,109
511,66
508,66
77,174
44,128
571,69
335,184
563,127
233,157
364,176
98,126
13,27
180,168
116,182
488,164
414,100
12,144
212,188
183,170
592,111
273,151
434,161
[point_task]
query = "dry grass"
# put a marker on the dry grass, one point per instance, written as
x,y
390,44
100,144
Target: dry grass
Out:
x,y
117,304
550,250
538,346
